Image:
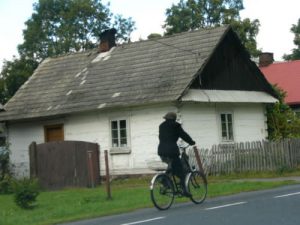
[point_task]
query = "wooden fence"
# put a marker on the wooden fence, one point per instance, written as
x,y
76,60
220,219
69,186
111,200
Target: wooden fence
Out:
x,y
65,164
250,157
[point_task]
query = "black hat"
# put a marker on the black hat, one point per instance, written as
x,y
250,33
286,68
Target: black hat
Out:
x,y
170,116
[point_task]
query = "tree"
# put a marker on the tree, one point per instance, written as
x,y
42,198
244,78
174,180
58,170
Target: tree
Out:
x,y
13,75
282,121
58,27
194,14
296,51
153,36
247,31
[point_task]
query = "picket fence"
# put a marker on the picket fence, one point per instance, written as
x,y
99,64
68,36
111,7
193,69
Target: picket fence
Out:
x,y
249,157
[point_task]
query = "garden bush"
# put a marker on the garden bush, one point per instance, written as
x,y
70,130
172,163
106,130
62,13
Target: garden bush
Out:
x,y
25,192
4,162
6,185
5,173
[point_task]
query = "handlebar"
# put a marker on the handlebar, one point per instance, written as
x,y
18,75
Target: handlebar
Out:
x,y
184,147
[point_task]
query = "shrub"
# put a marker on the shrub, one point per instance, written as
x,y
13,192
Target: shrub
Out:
x,y
4,162
6,185
25,192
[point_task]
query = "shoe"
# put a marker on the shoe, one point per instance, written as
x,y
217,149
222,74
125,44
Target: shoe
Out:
x,y
186,194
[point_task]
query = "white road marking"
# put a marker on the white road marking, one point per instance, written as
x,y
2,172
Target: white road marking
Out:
x,y
227,205
144,221
281,196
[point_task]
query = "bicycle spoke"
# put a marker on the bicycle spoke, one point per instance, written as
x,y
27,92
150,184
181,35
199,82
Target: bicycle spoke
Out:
x,y
162,192
197,186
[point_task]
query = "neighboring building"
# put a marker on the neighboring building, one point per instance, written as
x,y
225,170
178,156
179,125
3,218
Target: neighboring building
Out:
x,y
285,75
117,96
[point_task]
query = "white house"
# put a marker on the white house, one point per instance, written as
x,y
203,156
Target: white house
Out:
x,y
117,96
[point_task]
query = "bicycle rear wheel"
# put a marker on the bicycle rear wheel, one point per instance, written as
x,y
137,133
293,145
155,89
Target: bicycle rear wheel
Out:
x,y
197,186
162,191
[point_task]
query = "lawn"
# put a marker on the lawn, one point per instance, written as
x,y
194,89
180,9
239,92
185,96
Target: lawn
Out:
x,y
127,195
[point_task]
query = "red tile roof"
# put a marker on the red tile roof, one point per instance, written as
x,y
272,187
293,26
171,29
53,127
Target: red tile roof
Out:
x,y
287,76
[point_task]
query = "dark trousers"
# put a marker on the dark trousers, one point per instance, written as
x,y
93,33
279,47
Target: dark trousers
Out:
x,y
176,167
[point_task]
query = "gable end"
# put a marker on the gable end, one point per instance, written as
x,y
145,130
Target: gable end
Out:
x,y
230,68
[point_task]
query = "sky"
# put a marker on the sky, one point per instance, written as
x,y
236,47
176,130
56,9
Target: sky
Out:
x,y
276,18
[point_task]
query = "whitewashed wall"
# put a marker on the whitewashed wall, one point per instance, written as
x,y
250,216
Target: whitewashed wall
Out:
x,y
200,120
19,138
143,135
94,127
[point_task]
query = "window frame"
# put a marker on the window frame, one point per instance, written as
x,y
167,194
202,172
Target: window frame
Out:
x,y
227,138
119,149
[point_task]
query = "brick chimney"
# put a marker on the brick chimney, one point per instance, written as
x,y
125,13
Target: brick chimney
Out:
x,y
265,59
107,40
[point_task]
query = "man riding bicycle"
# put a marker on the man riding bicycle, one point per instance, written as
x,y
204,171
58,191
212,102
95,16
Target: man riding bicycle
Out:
x,y
169,133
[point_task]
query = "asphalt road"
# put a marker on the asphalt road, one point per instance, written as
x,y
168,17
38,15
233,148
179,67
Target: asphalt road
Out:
x,y
270,207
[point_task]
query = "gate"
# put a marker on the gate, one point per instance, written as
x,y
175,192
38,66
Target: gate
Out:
x,y
65,164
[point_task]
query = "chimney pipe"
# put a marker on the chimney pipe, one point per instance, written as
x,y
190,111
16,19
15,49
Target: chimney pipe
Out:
x,y
107,40
265,59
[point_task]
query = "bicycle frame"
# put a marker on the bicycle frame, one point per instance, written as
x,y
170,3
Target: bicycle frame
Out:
x,y
168,171
165,185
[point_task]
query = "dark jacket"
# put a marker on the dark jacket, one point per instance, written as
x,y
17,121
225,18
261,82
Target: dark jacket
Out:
x,y
169,132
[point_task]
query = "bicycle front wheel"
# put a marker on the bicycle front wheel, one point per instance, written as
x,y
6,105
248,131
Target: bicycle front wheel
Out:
x,y
197,186
162,191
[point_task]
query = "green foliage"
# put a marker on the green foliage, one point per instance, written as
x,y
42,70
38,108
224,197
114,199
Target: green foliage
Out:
x,y
59,27
4,162
284,169
282,121
153,36
194,14
6,185
5,174
25,192
296,51
247,31
13,75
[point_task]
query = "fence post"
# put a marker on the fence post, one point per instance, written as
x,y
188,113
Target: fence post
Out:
x,y
91,168
198,160
107,180
33,160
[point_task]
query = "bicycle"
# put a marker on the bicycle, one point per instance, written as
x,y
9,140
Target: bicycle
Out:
x,y
165,186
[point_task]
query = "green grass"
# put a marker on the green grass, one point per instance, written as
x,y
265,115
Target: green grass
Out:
x,y
127,195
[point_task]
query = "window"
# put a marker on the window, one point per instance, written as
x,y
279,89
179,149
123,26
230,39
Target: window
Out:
x,y
119,134
226,127
54,133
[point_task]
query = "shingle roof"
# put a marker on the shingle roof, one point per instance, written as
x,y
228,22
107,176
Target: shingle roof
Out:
x,y
144,72
287,76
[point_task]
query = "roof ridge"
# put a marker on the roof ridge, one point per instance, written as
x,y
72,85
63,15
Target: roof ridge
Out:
x,y
185,33
72,53
141,41
282,62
